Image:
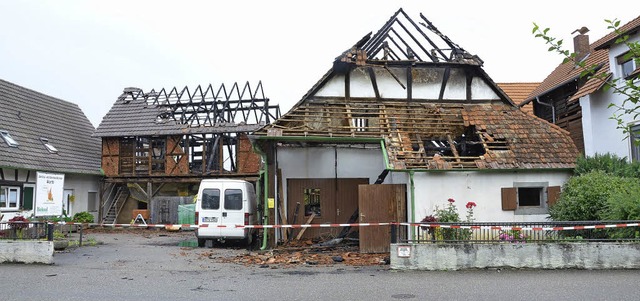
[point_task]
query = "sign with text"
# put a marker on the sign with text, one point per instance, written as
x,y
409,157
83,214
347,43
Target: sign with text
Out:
x,y
49,194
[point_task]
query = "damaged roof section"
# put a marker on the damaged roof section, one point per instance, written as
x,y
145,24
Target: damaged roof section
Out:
x,y
438,136
202,110
403,39
429,100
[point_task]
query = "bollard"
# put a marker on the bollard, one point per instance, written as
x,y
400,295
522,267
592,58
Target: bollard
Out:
x,y
50,232
394,233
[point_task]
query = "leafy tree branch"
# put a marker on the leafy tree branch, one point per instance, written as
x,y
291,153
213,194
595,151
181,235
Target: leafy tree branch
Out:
x,y
627,87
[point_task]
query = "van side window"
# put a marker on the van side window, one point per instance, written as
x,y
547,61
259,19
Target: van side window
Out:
x,y
233,199
211,199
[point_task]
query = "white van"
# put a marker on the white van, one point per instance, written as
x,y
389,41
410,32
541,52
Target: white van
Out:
x,y
222,205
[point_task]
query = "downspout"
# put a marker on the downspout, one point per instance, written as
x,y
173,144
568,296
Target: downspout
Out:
x,y
264,174
413,202
553,109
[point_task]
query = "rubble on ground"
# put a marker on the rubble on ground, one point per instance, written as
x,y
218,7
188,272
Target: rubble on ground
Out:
x,y
305,252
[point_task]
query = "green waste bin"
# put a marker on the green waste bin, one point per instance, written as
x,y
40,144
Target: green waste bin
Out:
x,y
187,214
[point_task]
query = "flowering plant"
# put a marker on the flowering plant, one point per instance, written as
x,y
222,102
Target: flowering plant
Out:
x,y
18,222
449,214
513,236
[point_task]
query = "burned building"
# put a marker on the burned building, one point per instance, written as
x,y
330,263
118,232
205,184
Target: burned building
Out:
x,y
158,145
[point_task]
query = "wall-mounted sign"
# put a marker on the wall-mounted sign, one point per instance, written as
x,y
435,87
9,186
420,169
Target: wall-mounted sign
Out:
x,y
404,251
49,194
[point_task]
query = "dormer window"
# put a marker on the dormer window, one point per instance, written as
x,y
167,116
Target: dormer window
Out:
x,y
627,64
8,139
50,148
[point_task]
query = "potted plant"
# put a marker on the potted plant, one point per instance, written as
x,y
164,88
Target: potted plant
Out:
x,y
60,241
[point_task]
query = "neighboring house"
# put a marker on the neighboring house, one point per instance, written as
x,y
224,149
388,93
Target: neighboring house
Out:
x,y
581,106
406,106
40,133
157,146
518,92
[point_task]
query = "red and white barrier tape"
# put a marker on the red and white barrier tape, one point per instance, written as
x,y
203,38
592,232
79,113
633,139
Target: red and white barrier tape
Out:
x,y
488,227
599,226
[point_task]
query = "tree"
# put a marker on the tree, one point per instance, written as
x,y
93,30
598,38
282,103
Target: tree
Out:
x,y
627,87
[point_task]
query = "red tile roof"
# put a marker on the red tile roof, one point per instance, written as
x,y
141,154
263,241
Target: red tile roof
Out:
x,y
567,72
518,92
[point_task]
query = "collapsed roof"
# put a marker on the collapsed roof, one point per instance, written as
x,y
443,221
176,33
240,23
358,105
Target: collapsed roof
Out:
x,y
176,112
428,99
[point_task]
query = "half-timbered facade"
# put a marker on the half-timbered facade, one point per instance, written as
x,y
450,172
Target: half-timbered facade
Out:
x,y
158,145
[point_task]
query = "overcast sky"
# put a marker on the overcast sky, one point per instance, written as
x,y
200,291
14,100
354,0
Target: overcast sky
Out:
x,y
86,51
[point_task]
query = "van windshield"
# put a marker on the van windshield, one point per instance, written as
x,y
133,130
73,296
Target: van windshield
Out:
x,y
211,199
233,199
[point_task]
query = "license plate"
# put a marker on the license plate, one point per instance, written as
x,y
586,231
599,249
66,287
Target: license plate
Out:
x,y
210,219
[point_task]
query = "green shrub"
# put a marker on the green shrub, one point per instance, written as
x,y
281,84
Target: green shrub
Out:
x,y
584,197
83,217
607,163
623,204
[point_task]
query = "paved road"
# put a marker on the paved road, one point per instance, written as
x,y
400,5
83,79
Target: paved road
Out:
x,y
154,267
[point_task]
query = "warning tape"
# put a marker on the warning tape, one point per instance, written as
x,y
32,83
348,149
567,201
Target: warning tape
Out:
x,y
516,228
486,227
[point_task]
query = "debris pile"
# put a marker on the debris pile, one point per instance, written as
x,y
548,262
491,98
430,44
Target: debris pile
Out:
x,y
304,252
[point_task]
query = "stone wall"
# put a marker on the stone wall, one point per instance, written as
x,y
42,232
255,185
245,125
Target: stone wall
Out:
x,y
26,251
581,255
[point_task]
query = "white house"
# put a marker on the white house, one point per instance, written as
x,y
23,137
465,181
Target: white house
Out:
x,y
408,107
40,134
582,106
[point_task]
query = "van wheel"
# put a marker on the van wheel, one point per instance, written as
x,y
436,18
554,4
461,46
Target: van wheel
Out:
x,y
252,241
201,242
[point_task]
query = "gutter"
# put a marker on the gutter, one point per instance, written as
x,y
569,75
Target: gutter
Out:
x,y
319,139
553,109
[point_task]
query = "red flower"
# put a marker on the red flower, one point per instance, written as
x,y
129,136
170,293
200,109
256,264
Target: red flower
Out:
x,y
451,200
471,205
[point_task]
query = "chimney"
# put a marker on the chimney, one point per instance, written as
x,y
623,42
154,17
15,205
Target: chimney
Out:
x,y
581,43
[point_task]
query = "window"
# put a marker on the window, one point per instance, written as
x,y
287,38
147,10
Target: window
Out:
x,y
50,148
312,201
92,201
211,199
627,64
360,124
635,142
233,199
529,197
9,198
8,139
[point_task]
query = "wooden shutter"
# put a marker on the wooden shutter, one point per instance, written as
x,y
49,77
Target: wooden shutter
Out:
x,y
553,194
509,198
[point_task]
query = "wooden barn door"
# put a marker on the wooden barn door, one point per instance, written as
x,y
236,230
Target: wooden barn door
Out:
x,y
380,203
335,202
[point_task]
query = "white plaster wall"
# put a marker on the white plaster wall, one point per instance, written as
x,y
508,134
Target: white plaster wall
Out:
x,y
431,188
601,134
483,188
81,185
481,91
320,162
334,87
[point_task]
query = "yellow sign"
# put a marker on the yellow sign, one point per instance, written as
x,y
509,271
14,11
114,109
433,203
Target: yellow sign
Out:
x,y
271,202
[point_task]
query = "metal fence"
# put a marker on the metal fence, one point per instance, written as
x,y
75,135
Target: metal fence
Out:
x,y
512,232
26,230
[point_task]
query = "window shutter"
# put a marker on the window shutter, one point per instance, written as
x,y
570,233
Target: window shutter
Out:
x,y
509,198
553,193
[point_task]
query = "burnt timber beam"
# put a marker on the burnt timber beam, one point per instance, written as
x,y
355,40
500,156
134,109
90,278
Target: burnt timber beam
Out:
x,y
374,82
